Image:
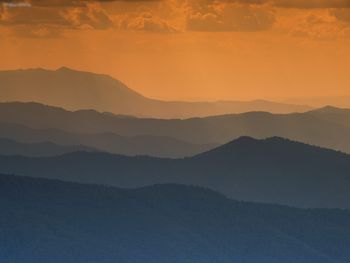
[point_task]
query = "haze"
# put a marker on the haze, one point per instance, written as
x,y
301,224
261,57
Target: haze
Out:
x,y
188,49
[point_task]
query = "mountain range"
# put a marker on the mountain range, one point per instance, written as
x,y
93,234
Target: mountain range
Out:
x,y
273,170
318,102
74,90
53,221
93,171
327,127
11,147
33,142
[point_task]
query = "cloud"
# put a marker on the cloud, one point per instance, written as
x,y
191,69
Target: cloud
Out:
x,y
60,15
52,17
91,17
319,27
229,17
342,14
58,3
146,21
300,4
44,20
32,16
72,3
308,4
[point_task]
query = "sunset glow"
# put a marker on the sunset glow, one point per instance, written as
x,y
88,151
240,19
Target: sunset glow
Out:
x,y
188,49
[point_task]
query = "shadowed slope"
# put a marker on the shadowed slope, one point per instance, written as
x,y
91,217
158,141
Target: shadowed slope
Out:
x,y
53,221
273,170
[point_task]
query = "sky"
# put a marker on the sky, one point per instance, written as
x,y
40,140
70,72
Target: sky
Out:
x,y
188,49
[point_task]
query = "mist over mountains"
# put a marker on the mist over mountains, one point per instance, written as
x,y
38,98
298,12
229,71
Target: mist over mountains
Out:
x,y
318,102
179,131
53,221
327,127
76,90
11,147
159,146
92,171
274,170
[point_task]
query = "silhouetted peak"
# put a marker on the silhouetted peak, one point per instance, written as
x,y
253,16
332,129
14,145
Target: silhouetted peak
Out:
x,y
71,71
249,141
64,69
244,139
328,108
246,143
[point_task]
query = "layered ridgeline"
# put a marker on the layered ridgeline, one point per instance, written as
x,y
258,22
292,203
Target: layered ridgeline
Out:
x,y
327,127
11,147
48,142
53,221
274,170
83,90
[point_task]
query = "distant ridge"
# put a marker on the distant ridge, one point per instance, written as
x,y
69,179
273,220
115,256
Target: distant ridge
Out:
x,y
274,170
316,127
43,149
29,142
329,109
74,90
317,102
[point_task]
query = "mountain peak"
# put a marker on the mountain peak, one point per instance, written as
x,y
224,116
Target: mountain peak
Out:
x,y
70,70
327,108
243,139
75,89
63,68
247,140
247,144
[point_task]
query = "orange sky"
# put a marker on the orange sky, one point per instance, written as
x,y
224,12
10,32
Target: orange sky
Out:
x,y
188,49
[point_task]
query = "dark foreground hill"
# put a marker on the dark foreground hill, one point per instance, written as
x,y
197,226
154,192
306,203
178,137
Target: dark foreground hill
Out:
x,y
327,127
74,90
274,170
54,222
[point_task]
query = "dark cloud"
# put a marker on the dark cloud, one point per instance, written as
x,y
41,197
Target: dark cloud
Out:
x,y
68,3
317,27
92,17
312,3
45,16
285,3
46,21
342,14
146,21
33,16
308,4
278,3
74,17
230,17
252,15
58,3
